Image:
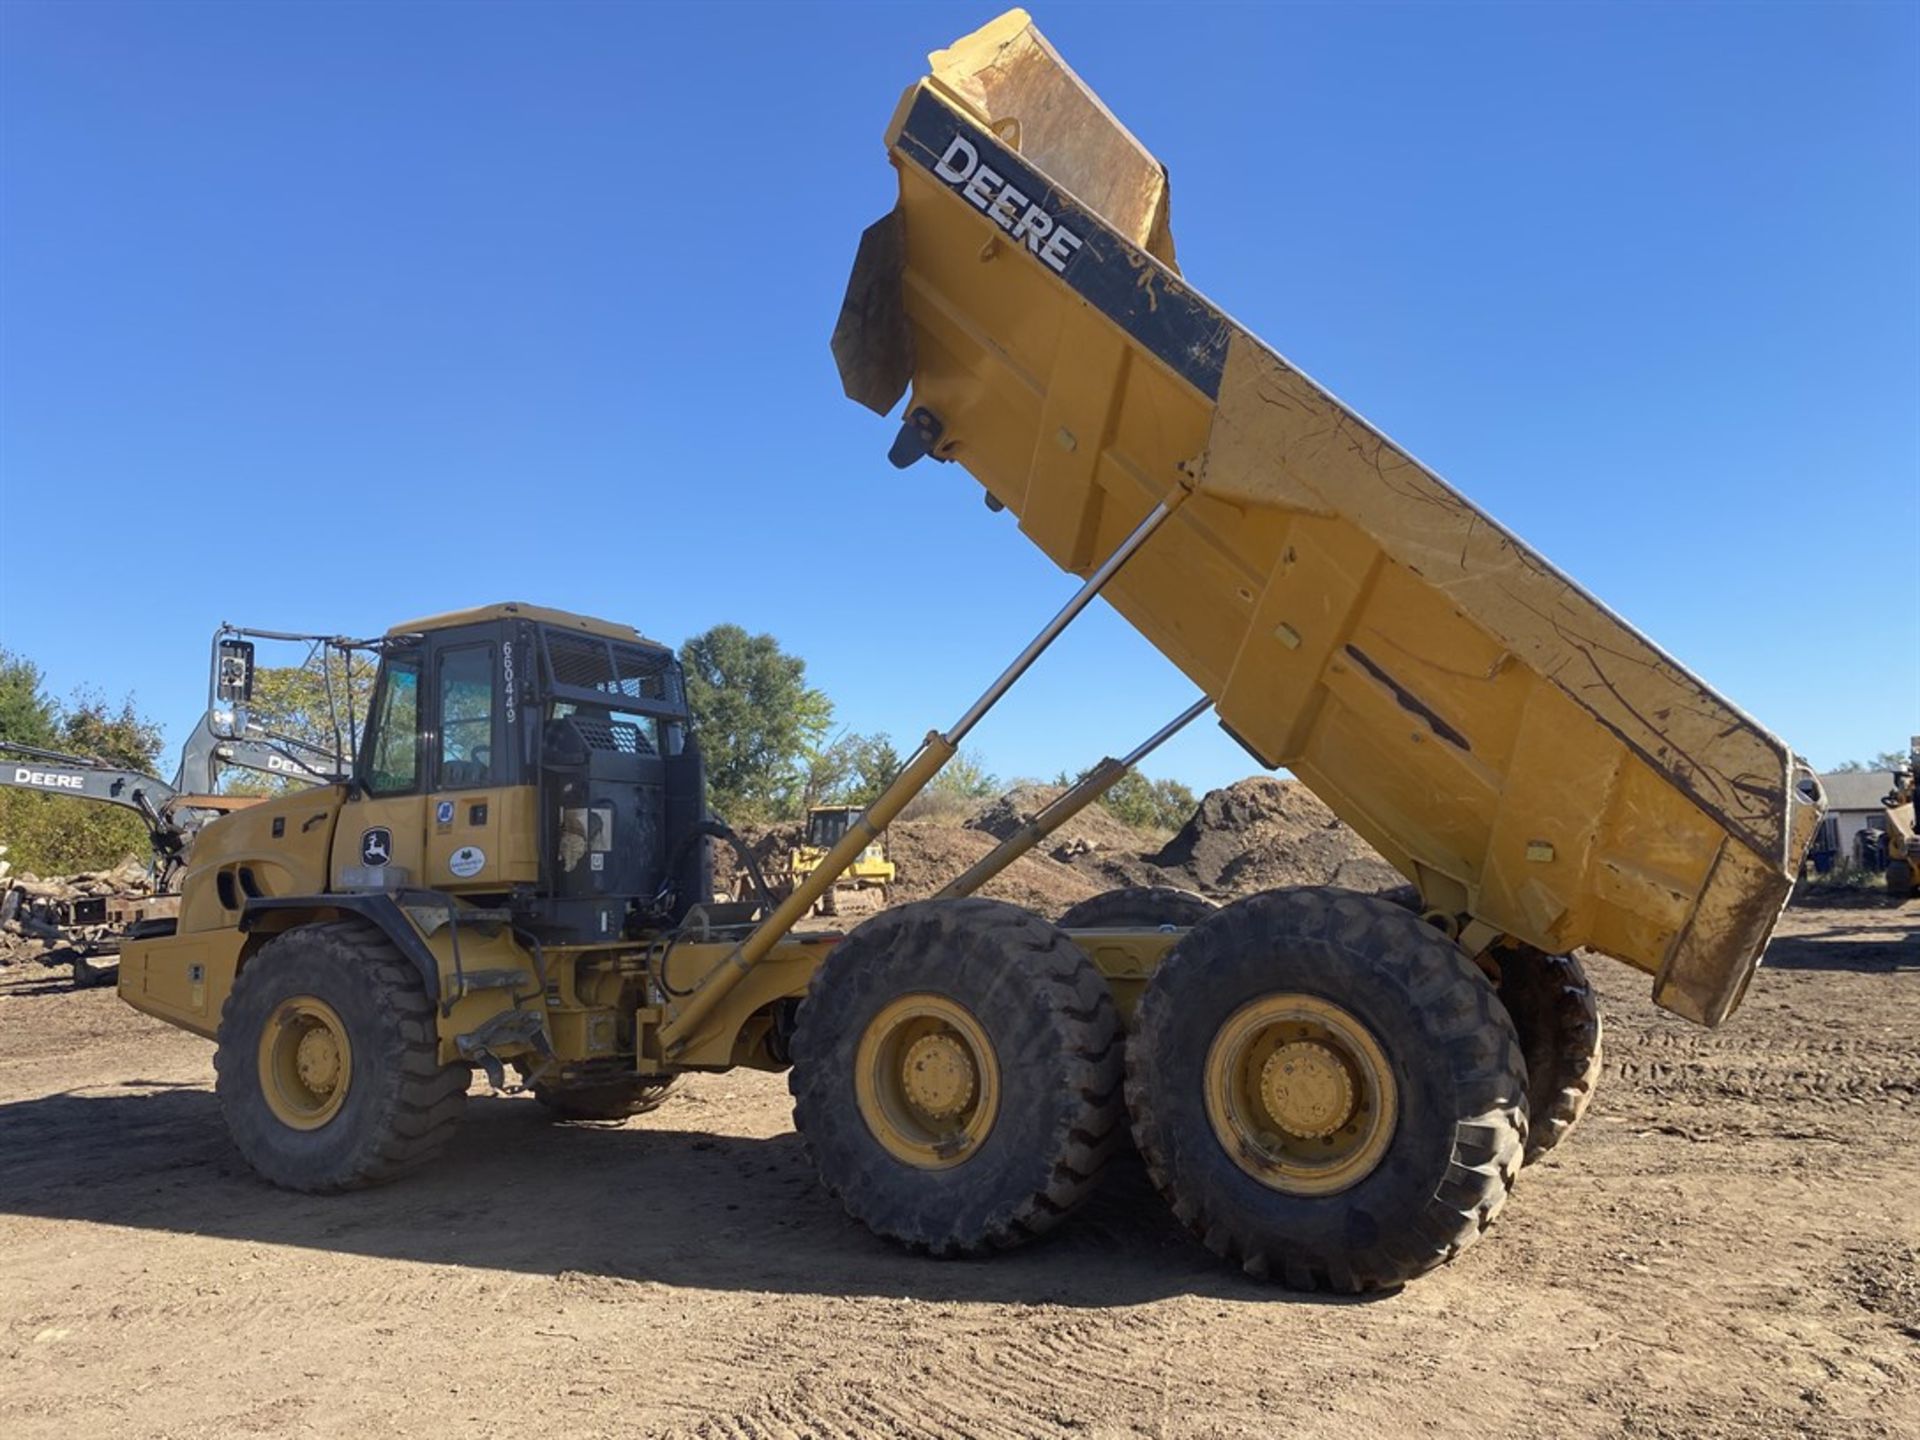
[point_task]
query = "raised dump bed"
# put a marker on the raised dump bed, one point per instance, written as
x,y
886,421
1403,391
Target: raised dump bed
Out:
x,y
1537,767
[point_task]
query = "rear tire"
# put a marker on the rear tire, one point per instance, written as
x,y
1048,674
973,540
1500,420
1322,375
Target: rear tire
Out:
x,y
327,1062
957,1075
613,1100
1139,907
1392,1082
1558,1021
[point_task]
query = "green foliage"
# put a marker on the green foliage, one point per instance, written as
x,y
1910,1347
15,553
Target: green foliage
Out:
x,y
875,764
966,777
852,770
955,791
1149,804
27,715
92,727
758,721
1847,877
1884,760
56,834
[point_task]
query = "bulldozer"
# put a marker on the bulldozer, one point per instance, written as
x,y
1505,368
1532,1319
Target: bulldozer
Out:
x,y
1334,1090
865,885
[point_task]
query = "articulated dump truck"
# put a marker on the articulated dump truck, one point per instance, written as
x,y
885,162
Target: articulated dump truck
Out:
x,y
1332,1090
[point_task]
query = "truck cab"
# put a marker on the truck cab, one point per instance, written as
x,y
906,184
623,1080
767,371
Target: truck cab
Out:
x,y
525,757
520,767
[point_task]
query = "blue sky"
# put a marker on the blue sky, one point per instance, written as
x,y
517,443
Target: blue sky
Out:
x,y
326,316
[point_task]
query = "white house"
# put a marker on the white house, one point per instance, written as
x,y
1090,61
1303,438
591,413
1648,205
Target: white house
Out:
x,y
1853,806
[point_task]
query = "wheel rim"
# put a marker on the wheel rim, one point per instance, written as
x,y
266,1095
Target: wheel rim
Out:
x,y
927,1081
1300,1094
306,1062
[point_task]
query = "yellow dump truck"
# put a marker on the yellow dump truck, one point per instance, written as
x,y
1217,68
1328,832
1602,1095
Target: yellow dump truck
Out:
x,y
1333,1090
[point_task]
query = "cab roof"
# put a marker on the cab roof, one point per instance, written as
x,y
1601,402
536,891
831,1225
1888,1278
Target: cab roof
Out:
x,y
520,610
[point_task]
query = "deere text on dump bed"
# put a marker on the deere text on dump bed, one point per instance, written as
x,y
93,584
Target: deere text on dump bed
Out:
x,y
1334,1090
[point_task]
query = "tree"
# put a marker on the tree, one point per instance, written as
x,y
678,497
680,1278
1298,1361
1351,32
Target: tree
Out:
x,y
966,777
1885,760
27,715
875,763
1149,804
757,720
852,770
92,727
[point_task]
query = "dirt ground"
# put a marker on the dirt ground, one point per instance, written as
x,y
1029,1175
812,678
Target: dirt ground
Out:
x,y
1730,1246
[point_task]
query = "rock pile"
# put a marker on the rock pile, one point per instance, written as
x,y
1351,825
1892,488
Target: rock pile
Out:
x,y
47,921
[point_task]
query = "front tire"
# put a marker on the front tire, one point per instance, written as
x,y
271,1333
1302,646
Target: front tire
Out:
x,y
1326,1090
327,1062
957,1075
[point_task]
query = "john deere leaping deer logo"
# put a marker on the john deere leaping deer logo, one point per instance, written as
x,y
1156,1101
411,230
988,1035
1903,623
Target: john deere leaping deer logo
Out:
x,y
376,846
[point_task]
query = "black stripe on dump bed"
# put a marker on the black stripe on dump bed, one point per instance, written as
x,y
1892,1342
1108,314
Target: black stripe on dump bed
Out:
x,y
1123,282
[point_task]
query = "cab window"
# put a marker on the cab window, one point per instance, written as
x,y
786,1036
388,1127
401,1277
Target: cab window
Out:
x,y
395,742
466,717
825,827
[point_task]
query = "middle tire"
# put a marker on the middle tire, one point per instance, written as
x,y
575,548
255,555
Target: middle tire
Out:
x,y
1326,1090
957,1075
1553,1009
1144,907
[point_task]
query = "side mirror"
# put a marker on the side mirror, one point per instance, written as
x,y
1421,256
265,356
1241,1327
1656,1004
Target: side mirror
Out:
x,y
233,672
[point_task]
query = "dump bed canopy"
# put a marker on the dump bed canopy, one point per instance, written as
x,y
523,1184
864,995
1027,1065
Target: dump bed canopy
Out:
x,y
1528,759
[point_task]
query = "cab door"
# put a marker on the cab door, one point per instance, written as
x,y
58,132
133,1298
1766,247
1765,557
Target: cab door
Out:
x,y
483,826
380,840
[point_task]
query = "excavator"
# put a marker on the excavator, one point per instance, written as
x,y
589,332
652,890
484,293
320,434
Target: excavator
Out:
x,y
88,930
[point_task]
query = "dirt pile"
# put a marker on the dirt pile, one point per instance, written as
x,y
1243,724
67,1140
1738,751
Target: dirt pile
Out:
x,y
926,855
1251,836
1093,831
1262,833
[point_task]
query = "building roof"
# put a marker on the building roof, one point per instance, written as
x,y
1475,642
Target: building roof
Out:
x,y
1856,789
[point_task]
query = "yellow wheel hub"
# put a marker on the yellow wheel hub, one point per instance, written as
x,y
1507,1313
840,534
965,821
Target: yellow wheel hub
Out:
x,y
1300,1094
1306,1089
306,1062
927,1080
939,1076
